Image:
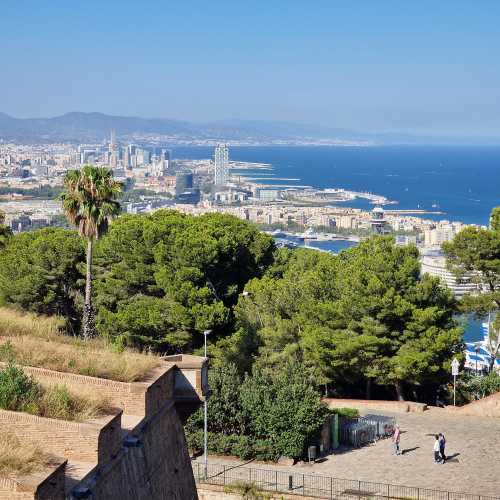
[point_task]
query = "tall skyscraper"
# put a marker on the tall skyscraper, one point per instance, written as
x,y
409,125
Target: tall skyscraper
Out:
x,y
221,162
113,150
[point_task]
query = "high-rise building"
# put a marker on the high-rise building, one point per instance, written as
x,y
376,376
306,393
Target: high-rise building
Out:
x,y
183,182
126,158
221,162
143,156
113,150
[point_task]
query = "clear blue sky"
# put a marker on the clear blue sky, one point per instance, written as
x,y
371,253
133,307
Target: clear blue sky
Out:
x,y
374,65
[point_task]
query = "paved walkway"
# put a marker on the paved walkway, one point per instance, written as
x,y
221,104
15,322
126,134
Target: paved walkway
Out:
x,y
473,441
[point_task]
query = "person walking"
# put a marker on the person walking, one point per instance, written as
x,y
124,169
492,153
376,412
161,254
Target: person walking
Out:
x,y
442,444
436,450
396,437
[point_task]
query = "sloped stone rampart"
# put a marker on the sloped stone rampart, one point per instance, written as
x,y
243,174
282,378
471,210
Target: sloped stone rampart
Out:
x,y
154,466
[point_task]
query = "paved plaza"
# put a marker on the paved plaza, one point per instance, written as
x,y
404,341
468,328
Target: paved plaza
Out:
x,y
473,442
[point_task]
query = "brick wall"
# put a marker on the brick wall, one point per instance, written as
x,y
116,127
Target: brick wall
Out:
x,y
47,484
135,398
128,396
215,492
161,390
71,440
376,404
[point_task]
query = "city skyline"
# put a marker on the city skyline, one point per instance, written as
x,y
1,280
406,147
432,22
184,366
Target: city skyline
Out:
x,y
421,69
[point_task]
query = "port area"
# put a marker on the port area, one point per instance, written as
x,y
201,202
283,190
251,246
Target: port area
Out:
x,y
334,195
311,235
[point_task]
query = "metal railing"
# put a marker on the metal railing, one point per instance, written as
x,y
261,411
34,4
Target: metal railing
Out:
x,y
320,486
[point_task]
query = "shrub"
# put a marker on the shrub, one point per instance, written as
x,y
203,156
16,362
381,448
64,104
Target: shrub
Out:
x,y
284,407
18,392
346,412
247,490
244,447
266,450
471,387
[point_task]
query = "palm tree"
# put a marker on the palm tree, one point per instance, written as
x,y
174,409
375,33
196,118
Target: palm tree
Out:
x,y
89,202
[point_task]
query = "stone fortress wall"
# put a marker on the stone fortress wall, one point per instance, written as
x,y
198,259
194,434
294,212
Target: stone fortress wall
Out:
x,y
139,452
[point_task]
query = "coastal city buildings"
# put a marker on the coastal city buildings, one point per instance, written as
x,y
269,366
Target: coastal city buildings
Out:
x,y
31,177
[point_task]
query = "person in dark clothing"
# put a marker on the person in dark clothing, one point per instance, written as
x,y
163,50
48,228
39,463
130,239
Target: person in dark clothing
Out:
x,y
442,444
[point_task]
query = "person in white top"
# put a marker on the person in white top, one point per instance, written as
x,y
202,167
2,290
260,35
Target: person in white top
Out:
x,y
437,458
396,437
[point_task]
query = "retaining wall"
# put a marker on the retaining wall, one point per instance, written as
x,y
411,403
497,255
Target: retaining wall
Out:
x,y
47,484
376,404
77,441
214,492
135,398
486,407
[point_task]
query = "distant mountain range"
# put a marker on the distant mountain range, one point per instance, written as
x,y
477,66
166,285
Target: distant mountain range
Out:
x,y
82,127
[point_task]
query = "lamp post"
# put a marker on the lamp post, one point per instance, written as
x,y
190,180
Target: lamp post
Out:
x,y
454,371
205,423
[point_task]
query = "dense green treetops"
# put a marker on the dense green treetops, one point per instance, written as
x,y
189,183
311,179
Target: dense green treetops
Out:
x,y
475,252
5,232
39,271
365,315
361,318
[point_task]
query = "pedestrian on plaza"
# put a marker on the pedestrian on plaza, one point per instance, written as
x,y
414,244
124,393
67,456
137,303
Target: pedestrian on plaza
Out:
x,y
395,440
437,458
442,444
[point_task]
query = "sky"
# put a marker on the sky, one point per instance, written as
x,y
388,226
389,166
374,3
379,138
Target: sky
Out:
x,y
429,67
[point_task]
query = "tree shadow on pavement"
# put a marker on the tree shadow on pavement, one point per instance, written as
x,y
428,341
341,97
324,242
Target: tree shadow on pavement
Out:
x,y
409,450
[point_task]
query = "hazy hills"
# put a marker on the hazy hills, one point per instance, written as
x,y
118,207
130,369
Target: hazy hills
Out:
x,y
77,126
81,127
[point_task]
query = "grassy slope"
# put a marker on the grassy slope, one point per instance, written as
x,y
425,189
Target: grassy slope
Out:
x,y
32,340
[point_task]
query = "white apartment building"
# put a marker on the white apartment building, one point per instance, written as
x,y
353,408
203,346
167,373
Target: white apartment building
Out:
x,y
442,232
434,263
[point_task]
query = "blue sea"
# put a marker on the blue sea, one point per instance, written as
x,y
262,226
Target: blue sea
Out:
x,y
461,181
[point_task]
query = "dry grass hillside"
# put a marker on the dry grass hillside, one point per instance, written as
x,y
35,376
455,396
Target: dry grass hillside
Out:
x,y
20,457
32,340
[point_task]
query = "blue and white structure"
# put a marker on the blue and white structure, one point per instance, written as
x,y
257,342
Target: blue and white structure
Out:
x,y
477,356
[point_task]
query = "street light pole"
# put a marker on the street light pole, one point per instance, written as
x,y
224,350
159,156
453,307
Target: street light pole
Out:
x,y
205,422
454,371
